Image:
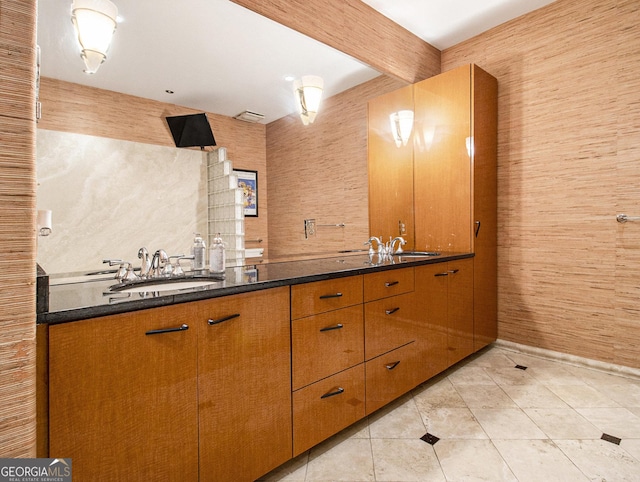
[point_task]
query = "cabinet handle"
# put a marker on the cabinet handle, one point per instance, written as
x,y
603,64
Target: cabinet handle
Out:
x,y
331,394
391,311
454,271
334,327
389,284
182,327
441,274
221,320
477,228
334,295
391,366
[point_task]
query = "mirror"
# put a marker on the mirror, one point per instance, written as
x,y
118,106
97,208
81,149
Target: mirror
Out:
x,y
100,191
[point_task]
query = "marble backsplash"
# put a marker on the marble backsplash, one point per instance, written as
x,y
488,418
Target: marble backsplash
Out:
x,y
110,197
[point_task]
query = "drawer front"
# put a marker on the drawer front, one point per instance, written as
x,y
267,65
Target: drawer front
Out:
x,y
389,323
322,296
391,375
326,344
326,407
388,283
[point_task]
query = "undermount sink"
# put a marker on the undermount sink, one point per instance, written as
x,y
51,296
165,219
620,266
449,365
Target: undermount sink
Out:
x,y
419,254
163,285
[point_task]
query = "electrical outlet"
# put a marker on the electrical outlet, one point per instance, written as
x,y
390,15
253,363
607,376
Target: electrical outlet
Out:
x,y
309,228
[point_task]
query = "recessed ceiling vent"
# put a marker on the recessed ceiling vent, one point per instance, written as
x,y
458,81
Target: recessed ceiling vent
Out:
x,y
248,116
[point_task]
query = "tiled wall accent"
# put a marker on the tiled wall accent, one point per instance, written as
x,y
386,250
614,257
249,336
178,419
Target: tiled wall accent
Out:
x,y
17,228
319,172
226,207
110,197
569,146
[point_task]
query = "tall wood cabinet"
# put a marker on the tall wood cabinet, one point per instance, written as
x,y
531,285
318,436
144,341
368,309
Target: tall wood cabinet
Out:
x,y
390,166
453,179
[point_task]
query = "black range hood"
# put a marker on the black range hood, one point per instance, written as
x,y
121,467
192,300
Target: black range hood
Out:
x,y
192,130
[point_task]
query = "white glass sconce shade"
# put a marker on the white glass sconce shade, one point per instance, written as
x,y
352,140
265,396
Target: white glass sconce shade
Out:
x,y
95,22
401,126
308,94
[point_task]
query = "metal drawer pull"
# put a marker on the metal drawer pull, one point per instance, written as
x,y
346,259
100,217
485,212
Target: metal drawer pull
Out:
x,y
335,295
334,327
477,228
391,311
441,274
331,394
221,320
182,327
391,366
389,284
454,271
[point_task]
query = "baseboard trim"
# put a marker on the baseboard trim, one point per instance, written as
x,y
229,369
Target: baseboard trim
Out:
x,y
610,368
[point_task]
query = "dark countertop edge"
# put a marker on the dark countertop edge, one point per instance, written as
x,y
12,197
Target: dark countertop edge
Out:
x,y
78,314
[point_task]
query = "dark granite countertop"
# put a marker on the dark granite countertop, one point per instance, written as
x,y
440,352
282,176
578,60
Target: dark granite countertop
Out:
x,y
73,300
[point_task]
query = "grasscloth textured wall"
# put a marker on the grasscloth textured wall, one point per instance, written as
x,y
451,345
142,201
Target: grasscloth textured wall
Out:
x,y
319,171
69,107
568,161
17,228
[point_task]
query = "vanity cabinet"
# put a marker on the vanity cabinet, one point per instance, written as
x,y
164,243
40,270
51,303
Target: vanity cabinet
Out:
x,y
390,335
194,391
123,395
244,385
327,346
444,296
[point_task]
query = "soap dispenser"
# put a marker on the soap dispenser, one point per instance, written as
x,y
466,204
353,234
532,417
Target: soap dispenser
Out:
x,y
198,252
217,256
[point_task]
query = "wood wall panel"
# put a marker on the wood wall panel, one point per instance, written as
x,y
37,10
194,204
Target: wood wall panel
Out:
x,y
319,171
17,229
568,131
69,107
356,29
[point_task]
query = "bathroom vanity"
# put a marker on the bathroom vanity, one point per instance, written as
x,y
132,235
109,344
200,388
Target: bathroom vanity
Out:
x,y
229,381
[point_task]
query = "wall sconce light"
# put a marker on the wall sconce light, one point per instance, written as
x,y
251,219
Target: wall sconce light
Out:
x,y
308,93
401,126
95,22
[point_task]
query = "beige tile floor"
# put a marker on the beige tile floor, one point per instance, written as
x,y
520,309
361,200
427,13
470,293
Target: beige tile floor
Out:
x,y
494,422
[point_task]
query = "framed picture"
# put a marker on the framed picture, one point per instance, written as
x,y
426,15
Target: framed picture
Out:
x,y
248,182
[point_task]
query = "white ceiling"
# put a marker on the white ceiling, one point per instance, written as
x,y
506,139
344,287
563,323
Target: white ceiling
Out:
x,y
219,57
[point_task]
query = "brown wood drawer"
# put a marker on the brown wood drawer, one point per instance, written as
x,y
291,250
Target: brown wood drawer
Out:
x,y
391,375
326,344
389,323
322,296
316,418
388,283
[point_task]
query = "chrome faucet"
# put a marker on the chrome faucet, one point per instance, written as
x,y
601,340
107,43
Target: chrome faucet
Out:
x,y
380,245
145,265
401,242
158,263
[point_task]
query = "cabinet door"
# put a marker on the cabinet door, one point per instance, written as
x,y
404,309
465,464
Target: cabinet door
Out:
x,y
390,169
460,319
432,292
442,164
123,395
244,376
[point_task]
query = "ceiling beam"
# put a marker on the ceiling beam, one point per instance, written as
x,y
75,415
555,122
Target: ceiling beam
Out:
x,y
358,30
